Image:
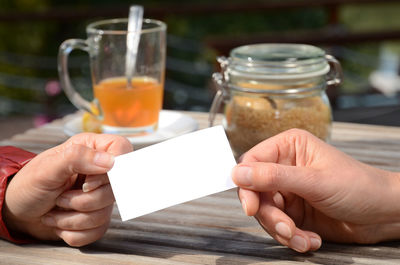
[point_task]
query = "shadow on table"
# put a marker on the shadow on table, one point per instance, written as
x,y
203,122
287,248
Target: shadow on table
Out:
x,y
243,248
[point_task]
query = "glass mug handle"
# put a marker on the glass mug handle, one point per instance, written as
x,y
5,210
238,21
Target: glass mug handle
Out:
x,y
65,49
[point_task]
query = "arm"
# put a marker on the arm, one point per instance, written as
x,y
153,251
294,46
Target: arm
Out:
x,y
301,189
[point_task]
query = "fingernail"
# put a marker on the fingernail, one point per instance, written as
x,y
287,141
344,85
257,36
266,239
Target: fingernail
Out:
x,y
278,200
244,205
315,243
283,230
103,159
242,175
91,185
62,202
48,220
298,243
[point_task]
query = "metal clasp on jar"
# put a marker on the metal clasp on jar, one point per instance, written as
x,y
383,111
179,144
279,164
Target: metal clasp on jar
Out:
x,y
220,82
336,72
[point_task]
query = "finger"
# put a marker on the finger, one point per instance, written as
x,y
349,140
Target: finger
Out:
x,y
83,237
86,201
85,160
279,200
92,182
250,201
281,227
110,143
260,176
315,240
59,167
72,220
274,220
301,241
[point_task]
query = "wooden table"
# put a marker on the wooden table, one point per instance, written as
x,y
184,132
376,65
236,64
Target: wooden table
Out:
x,y
211,230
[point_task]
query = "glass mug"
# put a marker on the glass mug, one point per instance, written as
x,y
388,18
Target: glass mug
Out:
x,y
121,109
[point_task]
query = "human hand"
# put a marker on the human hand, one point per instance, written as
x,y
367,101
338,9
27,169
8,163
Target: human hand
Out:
x,y
45,199
301,189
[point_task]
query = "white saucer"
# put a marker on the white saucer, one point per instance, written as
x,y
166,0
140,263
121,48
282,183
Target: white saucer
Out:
x,y
171,124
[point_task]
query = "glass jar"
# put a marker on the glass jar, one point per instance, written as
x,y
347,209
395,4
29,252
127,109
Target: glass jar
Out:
x,y
269,88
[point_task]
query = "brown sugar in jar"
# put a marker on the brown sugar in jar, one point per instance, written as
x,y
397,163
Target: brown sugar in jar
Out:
x,y
249,120
270,88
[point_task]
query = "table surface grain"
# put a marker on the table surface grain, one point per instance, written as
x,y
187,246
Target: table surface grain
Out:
x,y
213,229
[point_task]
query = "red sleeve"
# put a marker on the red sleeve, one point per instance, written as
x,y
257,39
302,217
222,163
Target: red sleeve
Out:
x,y
12,159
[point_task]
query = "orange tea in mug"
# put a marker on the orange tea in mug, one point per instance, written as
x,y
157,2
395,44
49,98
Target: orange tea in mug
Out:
x,y
121,109
137,106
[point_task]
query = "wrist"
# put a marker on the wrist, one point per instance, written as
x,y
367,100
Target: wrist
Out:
x,y
15,228
388,227
384,223
386,196
395,196
18,221
20,228
12,222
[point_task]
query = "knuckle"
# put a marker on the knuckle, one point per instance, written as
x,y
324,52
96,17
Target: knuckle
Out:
x,y
84,136
93,221
266,176
124,145
297,132
273,176
73,152
77,157
67,223
124,140
84,205
99,218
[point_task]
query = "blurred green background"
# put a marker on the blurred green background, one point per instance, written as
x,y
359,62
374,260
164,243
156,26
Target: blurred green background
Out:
x,y
198,31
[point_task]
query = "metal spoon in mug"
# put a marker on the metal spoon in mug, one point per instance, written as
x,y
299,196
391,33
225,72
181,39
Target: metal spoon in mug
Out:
x,y
132,41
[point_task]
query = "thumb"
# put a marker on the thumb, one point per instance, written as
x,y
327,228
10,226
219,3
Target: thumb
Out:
x,y
260,176
73,159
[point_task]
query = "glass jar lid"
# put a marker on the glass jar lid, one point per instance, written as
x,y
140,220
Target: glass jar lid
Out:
x,y
278,61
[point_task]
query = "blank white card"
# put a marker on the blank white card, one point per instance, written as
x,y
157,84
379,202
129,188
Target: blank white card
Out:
x,y
178,170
